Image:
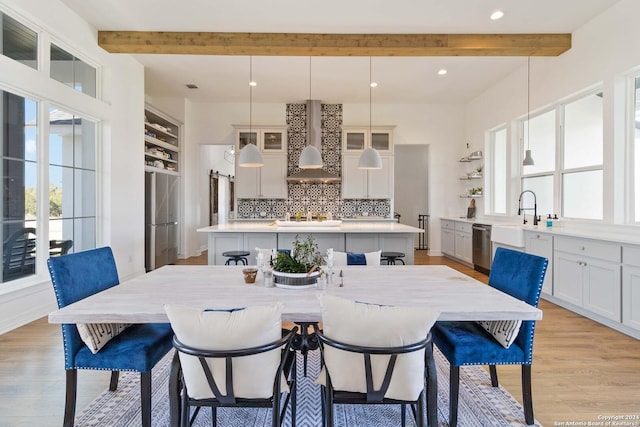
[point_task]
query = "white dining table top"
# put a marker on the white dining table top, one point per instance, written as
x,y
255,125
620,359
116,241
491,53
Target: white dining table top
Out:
x,y
142,299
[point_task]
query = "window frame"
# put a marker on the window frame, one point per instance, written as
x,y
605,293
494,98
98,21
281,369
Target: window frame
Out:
x,y
88,107
490,170
559,171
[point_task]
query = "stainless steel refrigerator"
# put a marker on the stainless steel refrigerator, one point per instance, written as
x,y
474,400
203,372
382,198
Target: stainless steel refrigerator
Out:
x,y
161,219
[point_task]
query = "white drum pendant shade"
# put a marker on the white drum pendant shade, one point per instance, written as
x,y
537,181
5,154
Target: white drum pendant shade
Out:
x,y
310,158
370,159
250,157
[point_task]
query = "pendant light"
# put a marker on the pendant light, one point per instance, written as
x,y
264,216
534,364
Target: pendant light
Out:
x,y
528,160
370,158
310,158
250,156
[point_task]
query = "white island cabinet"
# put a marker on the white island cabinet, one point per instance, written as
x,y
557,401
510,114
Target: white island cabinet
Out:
x,y
348,236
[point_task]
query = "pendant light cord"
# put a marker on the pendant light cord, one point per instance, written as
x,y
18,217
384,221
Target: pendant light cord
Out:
x,y
528,102
310,78
370,87
251,97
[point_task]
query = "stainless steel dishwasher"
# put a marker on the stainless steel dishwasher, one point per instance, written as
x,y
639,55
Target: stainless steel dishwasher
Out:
x,y
481,239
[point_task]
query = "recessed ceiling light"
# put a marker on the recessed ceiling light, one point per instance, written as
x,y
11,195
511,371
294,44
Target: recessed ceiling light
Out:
x,y
373,84
252,83
192,86
442,72
497,15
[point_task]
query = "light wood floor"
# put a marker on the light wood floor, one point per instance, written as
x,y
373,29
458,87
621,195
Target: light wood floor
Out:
x,y
581,369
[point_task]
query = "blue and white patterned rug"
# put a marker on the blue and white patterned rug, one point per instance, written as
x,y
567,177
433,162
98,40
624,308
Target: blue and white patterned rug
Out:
x,y
480,405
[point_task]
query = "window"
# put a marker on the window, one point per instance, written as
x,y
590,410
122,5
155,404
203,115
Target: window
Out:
x,y
582,158
498,172
19,185
72,71
539,136
72,181
18,42
579,126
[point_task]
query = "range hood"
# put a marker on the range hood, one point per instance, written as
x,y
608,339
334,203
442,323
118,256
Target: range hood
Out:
x,y
314,138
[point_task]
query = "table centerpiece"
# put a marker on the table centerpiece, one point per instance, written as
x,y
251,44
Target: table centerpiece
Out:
x,y
301,267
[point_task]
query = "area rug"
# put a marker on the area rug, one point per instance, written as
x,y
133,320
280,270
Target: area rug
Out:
x,y
480,405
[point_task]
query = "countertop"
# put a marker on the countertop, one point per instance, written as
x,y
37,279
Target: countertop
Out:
x,y
613,233
345,227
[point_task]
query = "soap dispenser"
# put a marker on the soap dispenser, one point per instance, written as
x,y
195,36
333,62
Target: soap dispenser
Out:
x,y
549,221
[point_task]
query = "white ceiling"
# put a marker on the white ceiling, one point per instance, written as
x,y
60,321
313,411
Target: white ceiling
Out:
x,y
333,79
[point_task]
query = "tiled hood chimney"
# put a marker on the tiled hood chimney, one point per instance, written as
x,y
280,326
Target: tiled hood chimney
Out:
x,y
314,138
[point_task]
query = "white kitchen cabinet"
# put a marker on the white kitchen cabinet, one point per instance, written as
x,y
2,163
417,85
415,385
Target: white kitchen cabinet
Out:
x,y
366,183
463,248
587,274
456,240
447,239
542,245
356,139
631,286
268,181
268,139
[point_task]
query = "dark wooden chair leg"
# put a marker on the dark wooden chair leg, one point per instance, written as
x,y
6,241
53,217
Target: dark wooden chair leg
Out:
x,y
403,415
527,399
113,383
145,398
454,388
70,397
214,416
494,375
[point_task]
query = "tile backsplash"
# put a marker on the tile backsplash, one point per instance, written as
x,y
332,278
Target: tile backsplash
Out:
x,y
314,197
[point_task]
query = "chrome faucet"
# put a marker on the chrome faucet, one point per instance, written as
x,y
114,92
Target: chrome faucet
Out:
x,y
535,207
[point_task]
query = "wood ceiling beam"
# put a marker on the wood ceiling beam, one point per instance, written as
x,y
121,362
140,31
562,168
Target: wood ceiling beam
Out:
x,y
301,44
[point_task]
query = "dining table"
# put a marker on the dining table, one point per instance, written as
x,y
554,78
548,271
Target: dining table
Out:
x,y
454,295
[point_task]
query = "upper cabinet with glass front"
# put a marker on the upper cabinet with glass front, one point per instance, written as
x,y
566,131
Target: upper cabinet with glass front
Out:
x,y
268,139
357,138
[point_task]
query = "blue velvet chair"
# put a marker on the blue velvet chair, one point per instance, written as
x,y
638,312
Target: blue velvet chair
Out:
x,y
467,343
138,348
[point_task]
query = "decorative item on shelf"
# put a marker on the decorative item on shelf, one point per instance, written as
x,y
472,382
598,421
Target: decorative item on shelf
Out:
x,y
477,173
301,267
475,191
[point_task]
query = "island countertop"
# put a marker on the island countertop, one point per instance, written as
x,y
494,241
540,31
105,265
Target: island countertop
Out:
x,y
356,236
344,227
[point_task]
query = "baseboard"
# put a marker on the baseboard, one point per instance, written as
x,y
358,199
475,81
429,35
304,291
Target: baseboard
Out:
x,y
26,305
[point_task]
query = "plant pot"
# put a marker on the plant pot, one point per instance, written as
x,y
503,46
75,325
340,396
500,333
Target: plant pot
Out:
x,y
295,279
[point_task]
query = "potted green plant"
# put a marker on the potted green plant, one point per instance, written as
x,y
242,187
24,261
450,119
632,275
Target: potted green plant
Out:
x,y
299,268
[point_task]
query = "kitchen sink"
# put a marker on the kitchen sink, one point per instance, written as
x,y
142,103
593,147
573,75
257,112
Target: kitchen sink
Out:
x,y
510,234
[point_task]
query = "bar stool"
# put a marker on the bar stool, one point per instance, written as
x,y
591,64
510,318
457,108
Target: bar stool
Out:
x,y
392,257
235,256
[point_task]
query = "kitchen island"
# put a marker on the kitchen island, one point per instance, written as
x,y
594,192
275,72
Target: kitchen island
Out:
x,y
357,236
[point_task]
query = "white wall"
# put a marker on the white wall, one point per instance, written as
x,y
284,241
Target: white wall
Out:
x,y
121,205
